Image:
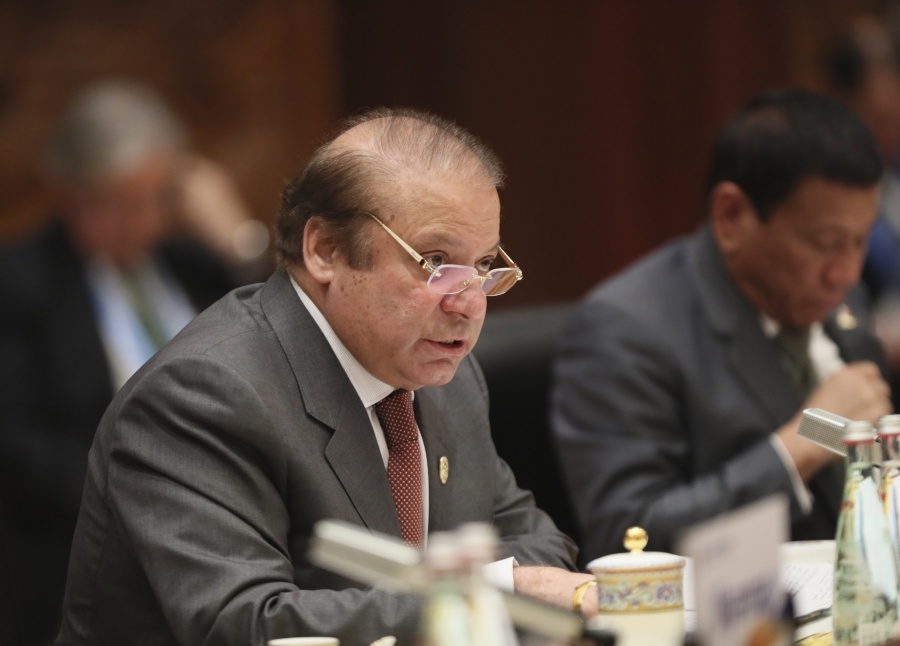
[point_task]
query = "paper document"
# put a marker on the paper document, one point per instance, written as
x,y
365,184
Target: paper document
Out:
x,y
811,585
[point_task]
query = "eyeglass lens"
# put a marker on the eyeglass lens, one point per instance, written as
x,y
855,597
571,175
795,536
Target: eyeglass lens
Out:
x,y
452,279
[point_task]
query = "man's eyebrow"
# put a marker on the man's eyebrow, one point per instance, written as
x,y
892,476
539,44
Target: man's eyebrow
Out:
x,y
443,240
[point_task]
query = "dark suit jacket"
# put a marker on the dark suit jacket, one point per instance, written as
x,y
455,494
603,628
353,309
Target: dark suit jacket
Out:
x,y
54,386
215,461
666,392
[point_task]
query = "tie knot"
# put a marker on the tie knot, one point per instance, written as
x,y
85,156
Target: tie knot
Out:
x,y
395,412
794,340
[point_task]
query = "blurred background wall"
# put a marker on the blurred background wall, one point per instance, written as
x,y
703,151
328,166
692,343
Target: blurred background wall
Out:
x,y
603,111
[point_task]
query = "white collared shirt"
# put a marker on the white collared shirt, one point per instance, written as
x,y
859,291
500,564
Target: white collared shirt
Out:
x,y
125,341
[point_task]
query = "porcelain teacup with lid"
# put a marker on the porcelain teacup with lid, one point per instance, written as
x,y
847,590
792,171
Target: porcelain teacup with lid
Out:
x,y
640,594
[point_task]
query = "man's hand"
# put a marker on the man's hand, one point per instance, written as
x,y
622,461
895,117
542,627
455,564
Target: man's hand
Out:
x,y
555,585
856,392
210,207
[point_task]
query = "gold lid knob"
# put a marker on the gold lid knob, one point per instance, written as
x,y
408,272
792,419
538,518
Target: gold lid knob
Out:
x,y
635,539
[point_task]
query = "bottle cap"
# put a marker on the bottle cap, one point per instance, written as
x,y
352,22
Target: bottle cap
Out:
x,y
443,552
477,542
889,425
858,431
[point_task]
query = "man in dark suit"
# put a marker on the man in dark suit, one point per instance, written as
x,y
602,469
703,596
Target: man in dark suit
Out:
x,y
262,417
72,330
677,395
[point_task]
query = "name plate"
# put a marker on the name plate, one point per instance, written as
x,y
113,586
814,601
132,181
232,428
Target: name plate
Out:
x,y
736,571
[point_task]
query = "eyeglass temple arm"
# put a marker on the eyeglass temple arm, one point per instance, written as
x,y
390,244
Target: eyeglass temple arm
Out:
x,y
412,252
424,264
509,261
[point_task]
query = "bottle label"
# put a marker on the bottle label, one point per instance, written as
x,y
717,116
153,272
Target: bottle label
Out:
x,y
872,634
865,577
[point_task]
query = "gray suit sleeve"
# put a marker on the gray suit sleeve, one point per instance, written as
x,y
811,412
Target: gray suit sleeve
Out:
x,y
193,480
526,532
629,434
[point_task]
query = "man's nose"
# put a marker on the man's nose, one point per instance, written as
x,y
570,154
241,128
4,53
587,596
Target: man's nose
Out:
x,y
470,302
844,272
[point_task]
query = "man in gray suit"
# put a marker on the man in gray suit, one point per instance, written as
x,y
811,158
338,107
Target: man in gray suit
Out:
x,y
675,398
213,463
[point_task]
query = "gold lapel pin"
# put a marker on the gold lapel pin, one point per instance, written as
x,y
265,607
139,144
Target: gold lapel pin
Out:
x,y
845,319
444,469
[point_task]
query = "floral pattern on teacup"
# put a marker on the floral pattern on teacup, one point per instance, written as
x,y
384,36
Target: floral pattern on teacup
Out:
x,y
629,593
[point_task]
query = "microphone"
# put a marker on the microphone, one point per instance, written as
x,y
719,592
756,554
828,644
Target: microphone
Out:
x,y
385,561
827,430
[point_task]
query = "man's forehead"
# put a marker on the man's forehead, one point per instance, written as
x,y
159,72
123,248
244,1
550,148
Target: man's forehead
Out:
x,y
363,135
358,137
404,164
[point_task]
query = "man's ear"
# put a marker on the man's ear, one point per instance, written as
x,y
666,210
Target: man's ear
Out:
x,y
731,215
319,250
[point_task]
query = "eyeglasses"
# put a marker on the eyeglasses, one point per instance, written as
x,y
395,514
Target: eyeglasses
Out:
x,y
453,279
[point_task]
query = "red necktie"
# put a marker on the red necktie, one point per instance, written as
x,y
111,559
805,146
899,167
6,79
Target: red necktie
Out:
x,y
404,470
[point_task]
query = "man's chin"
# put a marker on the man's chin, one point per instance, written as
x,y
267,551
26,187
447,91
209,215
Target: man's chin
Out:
x,y
809,317
438,373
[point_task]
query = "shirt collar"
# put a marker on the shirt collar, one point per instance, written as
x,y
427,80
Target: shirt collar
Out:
x,y
771,328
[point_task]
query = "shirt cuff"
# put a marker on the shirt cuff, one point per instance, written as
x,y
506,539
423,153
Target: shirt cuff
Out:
x,y
500,573
801,493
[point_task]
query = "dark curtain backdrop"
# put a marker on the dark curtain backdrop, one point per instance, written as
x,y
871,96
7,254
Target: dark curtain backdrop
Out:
x,y
603,112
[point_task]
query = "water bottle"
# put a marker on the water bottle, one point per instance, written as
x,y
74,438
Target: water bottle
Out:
x,y
889,434
865,570
446,615
489,620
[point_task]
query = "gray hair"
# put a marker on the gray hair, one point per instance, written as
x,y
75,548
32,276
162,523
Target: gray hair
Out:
x,y
108,130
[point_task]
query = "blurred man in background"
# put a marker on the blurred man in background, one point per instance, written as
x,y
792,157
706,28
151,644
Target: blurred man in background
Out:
x,y
140,241
680,382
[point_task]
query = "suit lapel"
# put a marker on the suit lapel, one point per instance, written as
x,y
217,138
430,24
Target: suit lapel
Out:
x,y
436,435
753,357
329,397
757,363
354,456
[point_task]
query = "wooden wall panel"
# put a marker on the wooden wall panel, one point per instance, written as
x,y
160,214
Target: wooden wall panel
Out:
x,y
256,82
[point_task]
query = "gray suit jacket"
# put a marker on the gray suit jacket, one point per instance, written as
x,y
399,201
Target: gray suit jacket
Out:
x,y
214,462
666,392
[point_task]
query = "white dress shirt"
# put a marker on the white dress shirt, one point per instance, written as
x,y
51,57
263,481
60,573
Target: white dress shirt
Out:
x,y
125,340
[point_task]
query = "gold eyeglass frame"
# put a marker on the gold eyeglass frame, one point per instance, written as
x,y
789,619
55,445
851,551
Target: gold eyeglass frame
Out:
x,y
435,271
